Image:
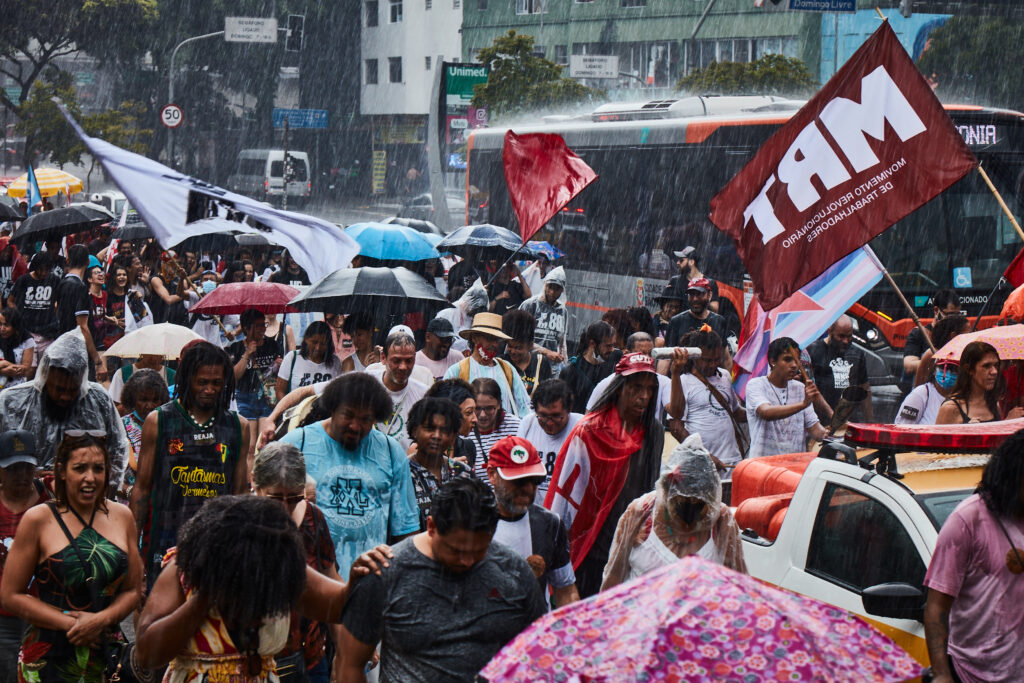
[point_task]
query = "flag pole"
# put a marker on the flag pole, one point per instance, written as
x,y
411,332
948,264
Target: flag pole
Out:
x,y
892,283
502,267
999,285
1002,204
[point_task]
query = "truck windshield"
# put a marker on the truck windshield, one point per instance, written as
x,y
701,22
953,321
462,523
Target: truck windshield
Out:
x,y
940,505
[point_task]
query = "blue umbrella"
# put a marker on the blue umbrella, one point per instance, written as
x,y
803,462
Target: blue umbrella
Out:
x,y
391,242
546,249
488,237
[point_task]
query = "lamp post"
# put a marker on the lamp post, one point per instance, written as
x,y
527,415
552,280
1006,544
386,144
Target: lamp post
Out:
x,y
170,87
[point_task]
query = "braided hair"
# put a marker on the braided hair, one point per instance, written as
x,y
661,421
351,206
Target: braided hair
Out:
x,y
243,554
195,355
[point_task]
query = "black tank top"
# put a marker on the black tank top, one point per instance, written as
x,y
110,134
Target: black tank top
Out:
x,y
192,465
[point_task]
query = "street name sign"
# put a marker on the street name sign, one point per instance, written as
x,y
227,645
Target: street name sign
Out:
x,y
849,6
250,30
300,118
593,66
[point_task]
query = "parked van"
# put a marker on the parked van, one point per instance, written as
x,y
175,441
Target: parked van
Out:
x,y
260,174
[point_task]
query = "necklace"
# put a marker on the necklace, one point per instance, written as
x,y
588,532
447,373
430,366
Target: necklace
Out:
x,y
784,396
199,425
678,542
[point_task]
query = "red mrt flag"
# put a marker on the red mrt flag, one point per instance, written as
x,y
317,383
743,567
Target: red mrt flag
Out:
x,y
542,175
871,147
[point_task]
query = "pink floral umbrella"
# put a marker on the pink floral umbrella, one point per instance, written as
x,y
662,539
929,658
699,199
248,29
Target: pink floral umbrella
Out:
x,y
698,621
1008,340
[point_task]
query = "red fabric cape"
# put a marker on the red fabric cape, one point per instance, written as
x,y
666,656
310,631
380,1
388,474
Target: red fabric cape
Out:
x,y
609,448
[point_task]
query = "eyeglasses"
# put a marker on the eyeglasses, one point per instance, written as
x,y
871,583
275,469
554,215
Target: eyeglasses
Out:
x,y
536,481
485,409
79,433
287,500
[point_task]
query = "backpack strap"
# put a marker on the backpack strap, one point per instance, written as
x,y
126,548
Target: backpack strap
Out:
x,y
464,369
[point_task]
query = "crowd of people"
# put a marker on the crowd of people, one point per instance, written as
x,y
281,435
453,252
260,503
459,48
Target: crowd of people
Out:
x,y
336,499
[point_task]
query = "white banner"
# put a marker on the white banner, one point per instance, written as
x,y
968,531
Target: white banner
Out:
x,y
176,207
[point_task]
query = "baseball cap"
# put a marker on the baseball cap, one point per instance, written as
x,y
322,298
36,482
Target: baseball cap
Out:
x,y
404,329
515,458
685,253
17,446
441,328
701,284
632,363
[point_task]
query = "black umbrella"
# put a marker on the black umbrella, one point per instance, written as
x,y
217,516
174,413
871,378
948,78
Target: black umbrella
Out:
x,y
9,213
134,229
491,241
380,291
416,224
59,223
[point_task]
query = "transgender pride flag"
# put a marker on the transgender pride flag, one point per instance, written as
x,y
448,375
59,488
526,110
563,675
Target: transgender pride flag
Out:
x,y
806,314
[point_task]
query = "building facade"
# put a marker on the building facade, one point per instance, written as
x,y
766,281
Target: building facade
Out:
x,y
402,43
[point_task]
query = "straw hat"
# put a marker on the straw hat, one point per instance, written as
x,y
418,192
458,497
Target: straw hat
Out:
x,y
485,323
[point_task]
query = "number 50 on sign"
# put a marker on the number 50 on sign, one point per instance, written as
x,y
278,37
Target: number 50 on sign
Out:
x,y
172,116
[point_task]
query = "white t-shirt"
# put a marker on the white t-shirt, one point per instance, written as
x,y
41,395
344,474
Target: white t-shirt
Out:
x,y
547,446
437,368
664,394
704,415
19,353
419,373
773,437
302,372
402,402
117,381
921,406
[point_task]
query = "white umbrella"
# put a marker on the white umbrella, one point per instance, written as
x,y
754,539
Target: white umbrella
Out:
x,y
165,339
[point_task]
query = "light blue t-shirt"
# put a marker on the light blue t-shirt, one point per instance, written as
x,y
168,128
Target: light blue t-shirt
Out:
x,y
514,399
365,494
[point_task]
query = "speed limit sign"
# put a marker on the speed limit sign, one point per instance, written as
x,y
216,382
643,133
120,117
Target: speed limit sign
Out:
x,y
171,116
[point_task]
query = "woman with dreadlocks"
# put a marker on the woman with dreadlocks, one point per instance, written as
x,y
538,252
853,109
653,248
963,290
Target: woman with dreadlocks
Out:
x,y
193,448
220,609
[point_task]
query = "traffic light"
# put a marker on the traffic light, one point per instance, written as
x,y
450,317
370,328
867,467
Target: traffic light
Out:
x,y
293,41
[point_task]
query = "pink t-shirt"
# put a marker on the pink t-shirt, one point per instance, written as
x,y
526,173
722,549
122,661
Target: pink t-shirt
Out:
x,y
438,367
986,620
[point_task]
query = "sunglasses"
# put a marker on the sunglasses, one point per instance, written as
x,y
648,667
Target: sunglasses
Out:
x,y
79,433
536,481
287,500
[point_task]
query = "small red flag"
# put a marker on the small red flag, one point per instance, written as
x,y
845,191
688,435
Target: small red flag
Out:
x,y
1014,273
542,175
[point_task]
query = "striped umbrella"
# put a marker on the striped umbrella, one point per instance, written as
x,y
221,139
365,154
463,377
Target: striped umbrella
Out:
x,y
51,181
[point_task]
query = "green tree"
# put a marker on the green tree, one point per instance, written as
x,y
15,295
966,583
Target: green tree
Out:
x,y
967,59
769,75
122,127
34,33
519,80
42,124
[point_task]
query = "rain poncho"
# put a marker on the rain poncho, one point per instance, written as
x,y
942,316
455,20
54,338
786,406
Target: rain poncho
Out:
x,y
460,316
688,479
21,407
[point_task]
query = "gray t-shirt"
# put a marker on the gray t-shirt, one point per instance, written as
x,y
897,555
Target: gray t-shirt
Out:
x,y
551,322
434,625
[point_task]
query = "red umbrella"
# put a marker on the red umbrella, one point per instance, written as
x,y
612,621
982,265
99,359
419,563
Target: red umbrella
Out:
x,y
236,297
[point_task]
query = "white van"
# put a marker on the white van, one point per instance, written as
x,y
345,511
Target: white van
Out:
x,y
260,174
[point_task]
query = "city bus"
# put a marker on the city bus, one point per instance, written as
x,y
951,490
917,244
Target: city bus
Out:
x,y
659,164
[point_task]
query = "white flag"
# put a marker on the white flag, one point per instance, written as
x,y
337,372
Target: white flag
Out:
x,y
176,207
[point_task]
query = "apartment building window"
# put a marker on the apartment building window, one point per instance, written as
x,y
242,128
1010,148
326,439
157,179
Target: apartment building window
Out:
x,y
396,11
481,5
456,4
701,53
531,6
395,69
429,5
561,54
634,3
426,63
371,71
372,13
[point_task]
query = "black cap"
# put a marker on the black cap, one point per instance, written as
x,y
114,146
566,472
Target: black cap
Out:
x,y
441,328
17,446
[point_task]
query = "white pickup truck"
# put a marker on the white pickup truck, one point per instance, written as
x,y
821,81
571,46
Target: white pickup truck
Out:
x,y
830,526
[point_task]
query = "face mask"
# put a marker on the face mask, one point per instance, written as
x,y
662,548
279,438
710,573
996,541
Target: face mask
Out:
x,y
209,286
945,377
486,354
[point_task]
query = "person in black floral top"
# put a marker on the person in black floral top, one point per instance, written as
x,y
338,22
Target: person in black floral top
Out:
x,y
433,424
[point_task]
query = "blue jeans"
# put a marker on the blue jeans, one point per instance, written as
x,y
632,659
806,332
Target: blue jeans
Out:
x,y
252,405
